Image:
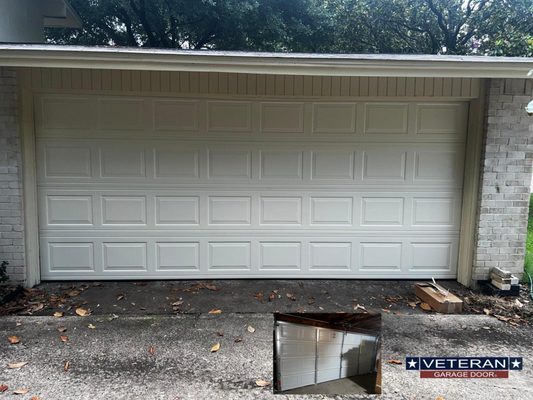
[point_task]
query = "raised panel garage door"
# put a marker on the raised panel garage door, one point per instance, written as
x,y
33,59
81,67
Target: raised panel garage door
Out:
x,y
159,187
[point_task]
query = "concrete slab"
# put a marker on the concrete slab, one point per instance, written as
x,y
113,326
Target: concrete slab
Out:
x,y
113,360
156,297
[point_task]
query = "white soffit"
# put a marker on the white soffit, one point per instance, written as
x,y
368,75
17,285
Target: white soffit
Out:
x,y
264,63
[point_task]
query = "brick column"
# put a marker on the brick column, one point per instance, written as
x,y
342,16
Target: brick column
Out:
x,y
505,178
11,218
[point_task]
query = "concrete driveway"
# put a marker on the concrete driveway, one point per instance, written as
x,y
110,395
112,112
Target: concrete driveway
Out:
x,y
168,357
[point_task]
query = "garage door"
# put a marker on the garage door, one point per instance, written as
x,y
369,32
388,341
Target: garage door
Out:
x,y
306,355
160,187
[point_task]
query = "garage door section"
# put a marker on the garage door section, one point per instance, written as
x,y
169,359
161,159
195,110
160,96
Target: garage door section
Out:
x,y
296,353
155,187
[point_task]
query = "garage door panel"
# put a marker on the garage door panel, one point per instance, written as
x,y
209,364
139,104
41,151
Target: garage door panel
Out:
x,y
176,162
190,256
248,188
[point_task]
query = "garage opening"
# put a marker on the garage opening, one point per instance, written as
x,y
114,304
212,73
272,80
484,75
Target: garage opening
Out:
x,y
327,353
147,184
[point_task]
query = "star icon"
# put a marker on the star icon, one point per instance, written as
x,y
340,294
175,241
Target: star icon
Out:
x,y
411,363
516,363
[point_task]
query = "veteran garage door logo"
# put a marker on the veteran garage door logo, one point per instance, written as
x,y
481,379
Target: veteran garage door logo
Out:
x,y
464,367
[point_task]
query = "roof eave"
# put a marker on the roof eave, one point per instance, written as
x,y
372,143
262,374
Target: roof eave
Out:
x,y
263,64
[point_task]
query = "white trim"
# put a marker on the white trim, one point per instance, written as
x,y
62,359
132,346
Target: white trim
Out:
x,y
264,63
472,171
29,181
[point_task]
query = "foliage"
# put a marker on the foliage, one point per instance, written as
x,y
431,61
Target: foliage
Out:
x,y
529,242
3,272
491,27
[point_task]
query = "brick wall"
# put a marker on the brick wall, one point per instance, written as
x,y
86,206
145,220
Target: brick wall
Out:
x,y
505,178
11,219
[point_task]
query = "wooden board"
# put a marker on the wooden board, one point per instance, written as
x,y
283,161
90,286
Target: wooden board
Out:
x,y
450,304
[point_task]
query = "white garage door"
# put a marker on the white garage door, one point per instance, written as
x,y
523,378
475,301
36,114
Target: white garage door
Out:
x,y
160,187
307,355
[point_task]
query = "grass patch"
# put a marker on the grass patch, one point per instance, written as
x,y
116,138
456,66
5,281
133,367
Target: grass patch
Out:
x,y
528,266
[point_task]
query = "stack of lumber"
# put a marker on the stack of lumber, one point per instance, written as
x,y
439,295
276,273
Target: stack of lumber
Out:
x,y
503,283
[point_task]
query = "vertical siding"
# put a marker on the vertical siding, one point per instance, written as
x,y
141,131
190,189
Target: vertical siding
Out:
x,y
250,84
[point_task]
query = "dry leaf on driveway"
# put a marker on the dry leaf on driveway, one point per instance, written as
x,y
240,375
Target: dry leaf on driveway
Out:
x,y
425,306
290,296
359,307
62,328
397,362
17,365
66,366
151,350
272,296
91,326
63,338
262,383
35,398
215,348
238,339
13,339
211,287
120,297
3,388
82,312
59,314
21,391
250,329
215,311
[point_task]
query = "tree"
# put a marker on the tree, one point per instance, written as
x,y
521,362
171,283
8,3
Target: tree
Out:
x,y
487,27
263,25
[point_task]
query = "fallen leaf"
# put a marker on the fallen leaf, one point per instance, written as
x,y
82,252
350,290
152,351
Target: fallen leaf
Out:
x,y
21,391
425,306
59,314
17,365
411,304
359,307
486,311
393,361
259,296
91,326
215,311
385,310
177,303
120,297
63,338
262,383
503,318
311,300
13,339
35,398
211,287
3,388
518,303
486,327
272,296
439,398
82,312
62,328
238,339
215,348
151,350
73,293
290,296
220,333
66,366
38,307
250,329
